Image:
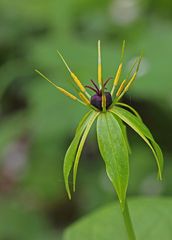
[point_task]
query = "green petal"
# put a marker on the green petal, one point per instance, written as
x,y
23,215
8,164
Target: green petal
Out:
x,y
81,145
71,152
114,152
144,133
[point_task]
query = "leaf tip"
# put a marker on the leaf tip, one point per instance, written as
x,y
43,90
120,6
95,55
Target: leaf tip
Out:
x,y
68,193
69,196
74,182
160,176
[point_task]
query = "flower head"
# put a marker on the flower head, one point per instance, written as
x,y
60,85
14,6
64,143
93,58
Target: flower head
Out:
x,y
101,100
111,115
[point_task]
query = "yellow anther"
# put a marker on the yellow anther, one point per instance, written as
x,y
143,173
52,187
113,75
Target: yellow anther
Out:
x,y
67,93
84,98
118,74
120,88
77,81
132,78
99,74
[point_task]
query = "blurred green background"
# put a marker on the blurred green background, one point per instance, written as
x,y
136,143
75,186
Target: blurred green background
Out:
x,y
37,123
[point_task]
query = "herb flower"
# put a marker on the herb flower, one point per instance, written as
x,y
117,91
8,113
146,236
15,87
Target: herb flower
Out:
x,y
112,116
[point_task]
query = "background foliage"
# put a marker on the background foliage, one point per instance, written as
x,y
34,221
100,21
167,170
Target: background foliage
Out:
x,y
37,123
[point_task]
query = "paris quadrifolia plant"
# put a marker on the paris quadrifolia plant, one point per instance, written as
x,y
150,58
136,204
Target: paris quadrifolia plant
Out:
x,y
112,117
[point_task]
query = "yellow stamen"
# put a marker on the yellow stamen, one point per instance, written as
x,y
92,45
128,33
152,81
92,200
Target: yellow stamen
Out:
x,y
118,74
67,93
99,65
76,80
104,102
130,82
84,99
120,88
132,78
100,79
59,88
78,83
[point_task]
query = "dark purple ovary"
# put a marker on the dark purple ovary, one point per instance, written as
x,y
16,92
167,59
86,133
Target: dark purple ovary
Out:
x,y
96,100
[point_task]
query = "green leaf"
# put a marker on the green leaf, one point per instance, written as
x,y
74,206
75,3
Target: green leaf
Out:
x,y
71,152
151,217
124,131
81,145
144,133
114,152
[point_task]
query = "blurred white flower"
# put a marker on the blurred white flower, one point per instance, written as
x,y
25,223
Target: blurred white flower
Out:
x,y
124,12
144,66
150,186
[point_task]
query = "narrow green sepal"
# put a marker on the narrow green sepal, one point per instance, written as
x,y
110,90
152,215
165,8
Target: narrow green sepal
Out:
x,y
130,108
140,128
71,152
81,145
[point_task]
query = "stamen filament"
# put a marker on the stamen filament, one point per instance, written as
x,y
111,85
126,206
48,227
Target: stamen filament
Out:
x,y
131,80
127,87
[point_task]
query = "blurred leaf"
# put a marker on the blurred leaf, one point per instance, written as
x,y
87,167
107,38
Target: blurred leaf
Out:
x,y
151,219
19,222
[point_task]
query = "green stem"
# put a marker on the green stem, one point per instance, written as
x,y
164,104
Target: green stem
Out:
x,y
128,223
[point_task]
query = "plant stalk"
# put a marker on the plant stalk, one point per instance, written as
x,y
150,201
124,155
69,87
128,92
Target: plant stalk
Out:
x,y
128,223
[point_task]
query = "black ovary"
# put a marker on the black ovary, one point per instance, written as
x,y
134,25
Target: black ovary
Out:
x,y
96,100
